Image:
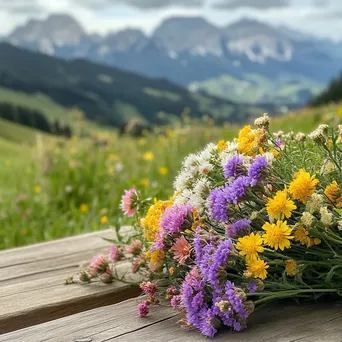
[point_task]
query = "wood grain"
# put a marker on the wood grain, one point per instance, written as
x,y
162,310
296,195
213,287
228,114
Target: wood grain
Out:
x,y
32,289
119,323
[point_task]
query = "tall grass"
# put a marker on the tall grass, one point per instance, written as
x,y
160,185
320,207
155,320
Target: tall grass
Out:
x,y
63,187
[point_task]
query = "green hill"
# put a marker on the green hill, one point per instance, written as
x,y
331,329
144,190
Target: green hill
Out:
x,y
107,95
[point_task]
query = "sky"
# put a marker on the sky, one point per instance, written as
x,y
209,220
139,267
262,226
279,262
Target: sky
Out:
x,y
318,17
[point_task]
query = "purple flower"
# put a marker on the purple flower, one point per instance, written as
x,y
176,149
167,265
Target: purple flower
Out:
x,y
257,169
233,229
218,205
176,302
159,243
174,217
279,143
234,166
221,197
237,189
252,287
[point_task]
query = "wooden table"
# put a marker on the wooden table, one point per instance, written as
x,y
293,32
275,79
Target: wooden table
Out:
x,y
119,323
36,306
32,288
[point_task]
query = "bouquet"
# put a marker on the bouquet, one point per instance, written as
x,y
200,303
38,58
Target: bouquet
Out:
x,y
251,221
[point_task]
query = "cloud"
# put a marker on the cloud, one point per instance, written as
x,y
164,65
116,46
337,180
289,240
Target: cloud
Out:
x,y
141,4
21,7
255,4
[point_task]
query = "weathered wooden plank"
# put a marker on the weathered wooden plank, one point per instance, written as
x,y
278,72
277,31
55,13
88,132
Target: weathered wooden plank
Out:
x,y
32,290
282,323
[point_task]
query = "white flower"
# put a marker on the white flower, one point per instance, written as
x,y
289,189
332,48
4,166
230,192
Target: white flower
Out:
x,y
262,122
190,161
205,168
307,219
326,217
300,136
327,167
314,203
198,203
340,225
181,181
340,130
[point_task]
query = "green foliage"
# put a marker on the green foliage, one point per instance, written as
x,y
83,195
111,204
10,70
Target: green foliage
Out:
x,y
333,93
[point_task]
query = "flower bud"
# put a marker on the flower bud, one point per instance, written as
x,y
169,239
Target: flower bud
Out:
x,y
84,277
300,137
262,122
249,306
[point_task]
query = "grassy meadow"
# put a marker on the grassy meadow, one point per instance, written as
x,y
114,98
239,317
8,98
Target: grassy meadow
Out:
x,y
52,187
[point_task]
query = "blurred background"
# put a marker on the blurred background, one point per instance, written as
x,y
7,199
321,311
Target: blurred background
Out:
x,y
101,95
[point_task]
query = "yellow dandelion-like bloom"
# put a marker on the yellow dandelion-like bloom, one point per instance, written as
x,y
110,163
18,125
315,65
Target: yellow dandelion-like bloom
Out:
x,y
222,145
151,223
84,208
155,257
280,205
290,267
332,191
148,156
163,170
247,141
104,219
302,235
37,189
277,235
250,245
258,268
171,270
303,185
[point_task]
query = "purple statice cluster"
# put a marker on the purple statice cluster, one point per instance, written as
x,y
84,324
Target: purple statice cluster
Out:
x,y
257,169
234,167
227,304
174,218
232,193
233,229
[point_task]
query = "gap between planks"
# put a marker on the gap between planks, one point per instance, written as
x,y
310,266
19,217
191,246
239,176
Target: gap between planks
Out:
x,y
120,323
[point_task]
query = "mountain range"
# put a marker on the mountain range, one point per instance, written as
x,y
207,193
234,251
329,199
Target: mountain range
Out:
x,y
245,61
109,95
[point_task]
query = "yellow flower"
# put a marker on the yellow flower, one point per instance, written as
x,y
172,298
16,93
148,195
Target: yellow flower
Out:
x,y
249,246
290,267
332,191
104,219
151,223
172,270
163,170
247,141
303,185
302,235
277,235
145,182
222,145
280,206
37,189
155,257
84,208
258,268
148,156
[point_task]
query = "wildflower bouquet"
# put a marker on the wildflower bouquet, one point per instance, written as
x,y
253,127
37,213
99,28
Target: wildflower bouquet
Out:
x,y
251,221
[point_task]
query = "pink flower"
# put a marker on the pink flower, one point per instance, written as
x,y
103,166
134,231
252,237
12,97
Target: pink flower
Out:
x,y
144,308
148,288
115,254
136,264
107,277
134,248
176,302
98,265
181,250
128,202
